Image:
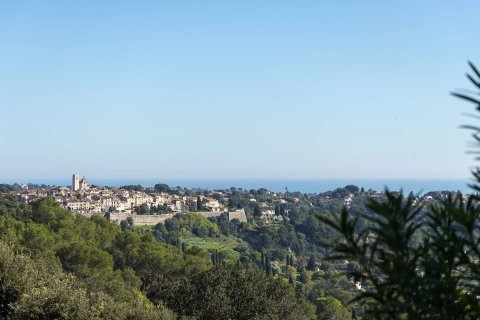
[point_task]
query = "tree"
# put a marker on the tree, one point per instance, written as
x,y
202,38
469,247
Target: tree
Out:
x,y
124,225
257,212
277,210
262,191
416,261
214,257
184,247
340,193
199,203
352,188
88,262
5,188
32,289
143,209
329,308
311,265
305,277
162,187
228,292
133,187
268,266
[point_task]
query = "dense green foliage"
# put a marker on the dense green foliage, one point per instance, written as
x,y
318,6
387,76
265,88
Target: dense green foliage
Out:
x,y
4,188
133,187
197,224
414,263
332,309
289,247
79,268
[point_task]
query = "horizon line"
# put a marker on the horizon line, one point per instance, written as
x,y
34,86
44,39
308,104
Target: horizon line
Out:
x,y
246,178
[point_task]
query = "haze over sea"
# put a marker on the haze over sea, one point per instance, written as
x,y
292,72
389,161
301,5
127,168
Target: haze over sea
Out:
x,y
420,186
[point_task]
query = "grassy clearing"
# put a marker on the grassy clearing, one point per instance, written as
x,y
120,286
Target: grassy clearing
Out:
x,y
229,246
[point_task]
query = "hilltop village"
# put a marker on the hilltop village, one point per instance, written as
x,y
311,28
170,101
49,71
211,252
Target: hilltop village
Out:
x,y
130,201
149,206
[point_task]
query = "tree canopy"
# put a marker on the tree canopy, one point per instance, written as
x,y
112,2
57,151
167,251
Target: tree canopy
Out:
x,y
57,265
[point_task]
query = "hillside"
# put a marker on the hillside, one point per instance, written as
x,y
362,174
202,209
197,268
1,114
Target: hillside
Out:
x,y
78,268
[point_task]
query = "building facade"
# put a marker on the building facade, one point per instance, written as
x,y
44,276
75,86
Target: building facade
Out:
x,y
75,182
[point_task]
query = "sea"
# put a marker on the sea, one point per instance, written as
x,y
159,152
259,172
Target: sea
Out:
x,y
417,186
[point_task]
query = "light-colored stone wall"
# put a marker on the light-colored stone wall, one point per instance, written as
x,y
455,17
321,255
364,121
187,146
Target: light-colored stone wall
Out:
x,y
209,214
149,220
139,220
237,214
119,216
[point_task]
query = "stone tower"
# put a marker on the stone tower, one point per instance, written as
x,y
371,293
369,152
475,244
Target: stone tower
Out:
x,y
83,184
75,182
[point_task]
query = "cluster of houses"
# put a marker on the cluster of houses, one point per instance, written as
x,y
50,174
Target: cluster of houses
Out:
x,y
88,200
121,203
98,199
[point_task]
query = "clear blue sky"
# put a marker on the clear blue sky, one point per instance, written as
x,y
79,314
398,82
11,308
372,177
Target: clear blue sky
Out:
x,y
223,89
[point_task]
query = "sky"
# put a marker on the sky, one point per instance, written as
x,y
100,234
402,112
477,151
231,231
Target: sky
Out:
x,y
244,89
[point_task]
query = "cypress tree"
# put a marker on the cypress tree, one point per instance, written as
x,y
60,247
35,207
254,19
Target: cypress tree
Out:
x,y
184,247
212,257
199,204
268,266
311,265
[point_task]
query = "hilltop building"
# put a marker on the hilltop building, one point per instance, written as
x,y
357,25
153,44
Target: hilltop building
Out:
x,y
75,182
79,184
83,184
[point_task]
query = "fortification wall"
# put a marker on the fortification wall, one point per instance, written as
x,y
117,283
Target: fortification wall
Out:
x,y
146,220
209,214
119,216
237,214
